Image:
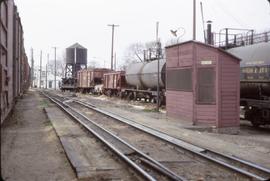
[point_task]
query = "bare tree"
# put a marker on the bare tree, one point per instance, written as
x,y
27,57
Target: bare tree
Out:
x,y
134,53
138,52
60,67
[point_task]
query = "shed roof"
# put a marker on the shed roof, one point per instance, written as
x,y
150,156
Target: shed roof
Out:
x,y
206,45
77,45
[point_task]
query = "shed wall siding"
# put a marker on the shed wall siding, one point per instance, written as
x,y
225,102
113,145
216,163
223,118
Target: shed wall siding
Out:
x,y
172,57
179,104
229,94
206,54
206,114
186,56
179,57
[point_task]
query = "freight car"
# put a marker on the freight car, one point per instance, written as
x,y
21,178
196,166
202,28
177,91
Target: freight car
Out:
x,y
138,82
113,83
255,82
14,67
87,79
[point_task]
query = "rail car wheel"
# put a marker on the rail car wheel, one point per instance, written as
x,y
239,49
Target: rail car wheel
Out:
x,y
124,95
155,101
254,116
255,123
109,93
130,96
120,94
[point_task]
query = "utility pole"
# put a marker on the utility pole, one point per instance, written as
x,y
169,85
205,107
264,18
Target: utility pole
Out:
x,y
157,52
47,70
54,68
32,67
203,22
40,69
194,19
112,25
114,61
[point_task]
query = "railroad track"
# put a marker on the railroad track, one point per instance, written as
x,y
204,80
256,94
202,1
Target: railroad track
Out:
x,y
144,165
177,157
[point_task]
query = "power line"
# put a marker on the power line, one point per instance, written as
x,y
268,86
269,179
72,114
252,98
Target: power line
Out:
x,y
226,11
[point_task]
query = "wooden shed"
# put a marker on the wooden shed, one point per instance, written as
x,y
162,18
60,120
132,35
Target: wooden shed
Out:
x,y
202,84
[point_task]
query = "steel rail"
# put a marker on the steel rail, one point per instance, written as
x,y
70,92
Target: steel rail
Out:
x,y
202,152
145,158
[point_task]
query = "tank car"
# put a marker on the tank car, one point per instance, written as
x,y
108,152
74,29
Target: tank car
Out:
x,y
142,80
255,81
139,81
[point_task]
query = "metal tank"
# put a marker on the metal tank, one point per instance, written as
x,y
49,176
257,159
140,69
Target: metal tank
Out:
x,y
255,70
70,56
81,54
133,74
150,71
253,55
143,75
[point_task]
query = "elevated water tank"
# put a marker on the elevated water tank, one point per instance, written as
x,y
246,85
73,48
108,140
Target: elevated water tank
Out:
x,y
79,51
70,56
81,56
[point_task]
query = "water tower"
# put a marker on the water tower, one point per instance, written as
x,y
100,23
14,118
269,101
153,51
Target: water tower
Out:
x,y
76,59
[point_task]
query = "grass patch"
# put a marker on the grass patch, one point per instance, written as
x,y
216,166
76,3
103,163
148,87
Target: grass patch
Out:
x,y
44,103
150,110
47,123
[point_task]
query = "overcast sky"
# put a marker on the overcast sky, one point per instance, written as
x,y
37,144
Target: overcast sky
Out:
x,y
61,23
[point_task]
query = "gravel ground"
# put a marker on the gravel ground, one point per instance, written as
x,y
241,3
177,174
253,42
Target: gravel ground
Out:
x,y
30,149
252,144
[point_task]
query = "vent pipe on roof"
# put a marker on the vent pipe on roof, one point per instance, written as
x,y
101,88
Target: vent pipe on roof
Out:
x,y
209,33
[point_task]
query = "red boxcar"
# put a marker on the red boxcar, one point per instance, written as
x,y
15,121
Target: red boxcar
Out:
x,y
13,61
114,82
89,78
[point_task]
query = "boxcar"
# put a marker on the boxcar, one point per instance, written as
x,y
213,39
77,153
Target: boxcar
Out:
x,y
87,79
114,83
14,67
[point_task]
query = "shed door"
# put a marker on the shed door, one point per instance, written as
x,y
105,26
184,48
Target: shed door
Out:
x,y
206,86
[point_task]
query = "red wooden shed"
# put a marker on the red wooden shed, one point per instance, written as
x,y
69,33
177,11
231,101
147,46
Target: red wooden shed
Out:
x,y
202,84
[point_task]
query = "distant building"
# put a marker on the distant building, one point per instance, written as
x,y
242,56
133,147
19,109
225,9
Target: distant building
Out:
x,y
50,80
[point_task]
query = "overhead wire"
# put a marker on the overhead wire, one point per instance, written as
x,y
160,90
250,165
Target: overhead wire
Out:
x,y
229,14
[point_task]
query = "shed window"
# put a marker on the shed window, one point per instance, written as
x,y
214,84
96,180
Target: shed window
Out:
x,y
180,79
206,86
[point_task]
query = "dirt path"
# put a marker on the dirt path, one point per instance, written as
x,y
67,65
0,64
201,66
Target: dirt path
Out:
x,y
30,149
